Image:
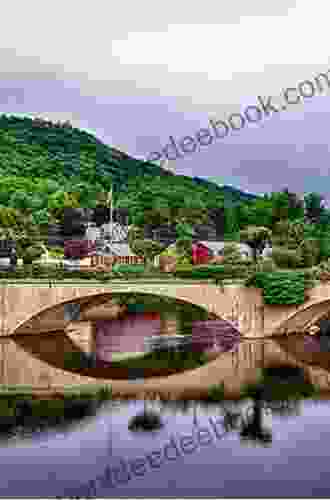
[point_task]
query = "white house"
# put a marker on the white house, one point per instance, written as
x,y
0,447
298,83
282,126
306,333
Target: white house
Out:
x,y
216,247
119,232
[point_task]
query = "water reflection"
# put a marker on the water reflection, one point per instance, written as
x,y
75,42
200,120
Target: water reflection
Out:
x,y
23,415
255,431
203,457
209,443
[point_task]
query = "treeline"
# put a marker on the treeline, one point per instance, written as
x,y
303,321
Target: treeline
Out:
x,y
47,168
36,148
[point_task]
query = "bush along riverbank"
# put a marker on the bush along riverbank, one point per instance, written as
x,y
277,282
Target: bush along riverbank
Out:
x,y
23,413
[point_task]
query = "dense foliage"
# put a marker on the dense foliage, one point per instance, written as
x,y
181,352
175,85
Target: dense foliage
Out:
x,y
214,272
281,287
36,148
47,169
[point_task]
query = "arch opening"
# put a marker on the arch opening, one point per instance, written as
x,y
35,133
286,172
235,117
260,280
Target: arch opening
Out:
x,y
72,311
78,304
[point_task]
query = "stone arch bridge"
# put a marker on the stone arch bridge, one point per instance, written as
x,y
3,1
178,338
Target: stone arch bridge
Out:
x,y
30,309
38,308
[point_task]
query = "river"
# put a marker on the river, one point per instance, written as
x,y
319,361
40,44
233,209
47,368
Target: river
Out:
x,y
255,447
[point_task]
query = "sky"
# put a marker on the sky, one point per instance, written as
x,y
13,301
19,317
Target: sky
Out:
x,y
136,73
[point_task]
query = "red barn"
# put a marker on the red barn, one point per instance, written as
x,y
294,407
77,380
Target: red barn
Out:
x,y
200,254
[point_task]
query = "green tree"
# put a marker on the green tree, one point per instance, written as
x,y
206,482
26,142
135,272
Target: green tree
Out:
x,y
42,217
184,241
59,201
256,237
231,254
314,207
286,205
296,233
148,249
260,213
32,253
309,250
231,220
324,248
163,200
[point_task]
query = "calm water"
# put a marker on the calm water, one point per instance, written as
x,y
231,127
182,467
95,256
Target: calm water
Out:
x,y
213,462
250,448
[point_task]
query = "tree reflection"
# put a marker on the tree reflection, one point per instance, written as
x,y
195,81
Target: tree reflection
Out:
x,y
279,391
147,421
253,428
285,408
232,420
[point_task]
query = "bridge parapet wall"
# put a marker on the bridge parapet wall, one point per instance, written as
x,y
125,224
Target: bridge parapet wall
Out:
x,y
243,307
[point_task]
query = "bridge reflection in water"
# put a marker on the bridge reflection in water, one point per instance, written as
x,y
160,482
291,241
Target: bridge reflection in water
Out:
x,y
38,360
98,334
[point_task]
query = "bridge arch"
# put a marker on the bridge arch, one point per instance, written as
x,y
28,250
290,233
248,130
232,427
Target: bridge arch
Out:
x,y
88,301
304,317
236,305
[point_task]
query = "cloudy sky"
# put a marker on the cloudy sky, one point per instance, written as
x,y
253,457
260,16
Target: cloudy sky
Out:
x,y
135,73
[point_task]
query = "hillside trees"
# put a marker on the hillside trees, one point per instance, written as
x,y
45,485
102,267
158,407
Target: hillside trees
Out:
x,y
40,148
256,237
286,205
148,249
158,201
59,201
314,207
20,226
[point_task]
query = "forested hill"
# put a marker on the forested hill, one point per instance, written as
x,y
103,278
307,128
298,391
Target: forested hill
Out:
x,y
39,148
34,149
229,192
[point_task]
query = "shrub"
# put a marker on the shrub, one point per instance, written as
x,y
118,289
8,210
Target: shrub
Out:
x,y
283,257
32,253
324,265
129,268
281,287
231,254
322,272
185,268
309,251
266,265
324,249
56,252
212,272
199,272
